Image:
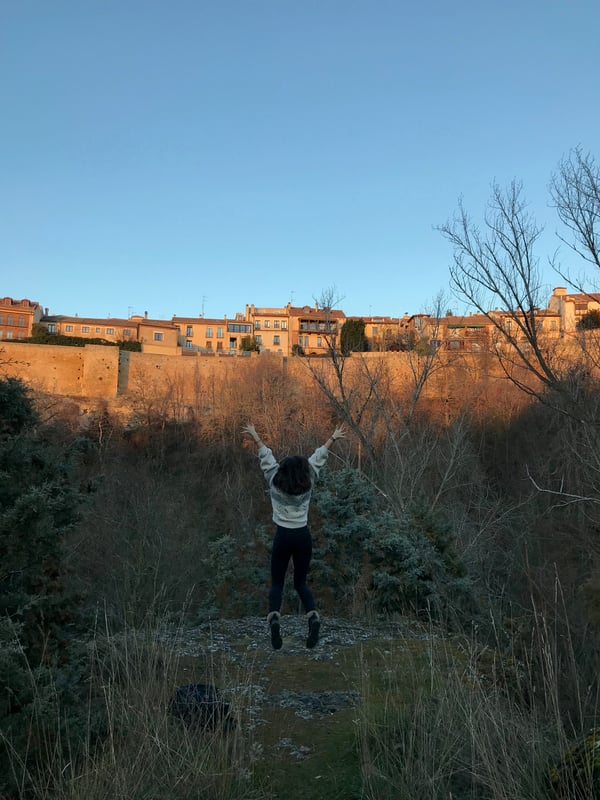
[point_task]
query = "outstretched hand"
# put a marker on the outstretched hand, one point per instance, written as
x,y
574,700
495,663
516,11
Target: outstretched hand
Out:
x,y
251,431
339,433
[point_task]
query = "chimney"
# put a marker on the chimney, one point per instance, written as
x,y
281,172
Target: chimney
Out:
x,y
145,315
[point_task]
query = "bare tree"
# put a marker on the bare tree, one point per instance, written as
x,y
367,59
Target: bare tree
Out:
x,y
405,456
498,267
575,191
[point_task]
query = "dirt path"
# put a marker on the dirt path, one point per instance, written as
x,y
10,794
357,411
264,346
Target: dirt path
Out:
x,y
299,707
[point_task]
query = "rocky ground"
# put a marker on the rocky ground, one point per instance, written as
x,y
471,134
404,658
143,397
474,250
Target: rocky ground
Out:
x,y
263,681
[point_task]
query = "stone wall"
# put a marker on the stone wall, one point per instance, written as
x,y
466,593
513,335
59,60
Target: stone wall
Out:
x,y
53,370
180,386
97,371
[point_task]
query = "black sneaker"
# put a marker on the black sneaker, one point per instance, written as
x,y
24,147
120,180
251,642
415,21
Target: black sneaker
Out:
x,y
314,623
276,640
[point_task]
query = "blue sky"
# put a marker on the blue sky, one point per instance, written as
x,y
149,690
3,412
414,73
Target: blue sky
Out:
x,y
183,156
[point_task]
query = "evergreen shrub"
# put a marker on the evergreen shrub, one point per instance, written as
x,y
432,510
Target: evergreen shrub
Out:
x,y
396,562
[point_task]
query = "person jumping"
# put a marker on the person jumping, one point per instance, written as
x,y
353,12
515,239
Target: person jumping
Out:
x,y
290,486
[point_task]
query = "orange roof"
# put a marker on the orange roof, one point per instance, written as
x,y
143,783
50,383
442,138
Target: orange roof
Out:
x,y
320,313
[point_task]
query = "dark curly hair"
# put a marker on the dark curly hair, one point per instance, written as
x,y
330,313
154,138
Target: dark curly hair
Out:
x,y
293,475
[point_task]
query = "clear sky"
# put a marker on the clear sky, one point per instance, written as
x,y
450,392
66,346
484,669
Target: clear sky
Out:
x,y
187,156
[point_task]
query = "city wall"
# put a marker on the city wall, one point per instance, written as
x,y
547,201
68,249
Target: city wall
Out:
x,y
96,374
101,372
104,373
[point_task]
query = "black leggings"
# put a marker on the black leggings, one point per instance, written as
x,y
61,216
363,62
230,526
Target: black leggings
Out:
x,y
294,543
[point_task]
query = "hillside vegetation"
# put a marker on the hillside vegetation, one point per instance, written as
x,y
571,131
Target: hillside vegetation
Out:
x,y
456,557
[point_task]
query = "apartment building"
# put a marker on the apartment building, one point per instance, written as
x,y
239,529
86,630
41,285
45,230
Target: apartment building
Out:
x,y
271,328
17,317
571,307
312,328
212,336
473,332
155,335
290,329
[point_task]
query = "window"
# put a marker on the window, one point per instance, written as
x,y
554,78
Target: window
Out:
x,y
219,333
319,341
52,327
98,330
10,320
258,339
257,325
85,329
188,344
20,334
375,330
553,325
209,331
267,323
232,342
68,328
9,334
276,339
1,333
219,345
275,323
110,331
1,319
234,327
305,341
508,324
209,345
21,322
189,331
126,332
284,325
158,337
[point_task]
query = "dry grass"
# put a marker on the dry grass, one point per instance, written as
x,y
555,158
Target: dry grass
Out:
x,y
471,724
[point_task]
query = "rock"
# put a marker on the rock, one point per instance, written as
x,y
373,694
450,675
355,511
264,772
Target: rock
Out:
x,y
201,707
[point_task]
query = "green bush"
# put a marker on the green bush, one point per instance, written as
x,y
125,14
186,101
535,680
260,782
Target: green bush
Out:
x,y
40,671
397,562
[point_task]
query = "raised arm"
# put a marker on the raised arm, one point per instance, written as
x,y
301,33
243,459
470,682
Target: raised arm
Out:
x,y
268,462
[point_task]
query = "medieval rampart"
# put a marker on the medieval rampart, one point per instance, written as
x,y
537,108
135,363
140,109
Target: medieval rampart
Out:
x,y
102,372
206,384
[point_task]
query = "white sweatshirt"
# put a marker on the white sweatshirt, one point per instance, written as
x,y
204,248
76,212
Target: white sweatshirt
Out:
x,y
289,510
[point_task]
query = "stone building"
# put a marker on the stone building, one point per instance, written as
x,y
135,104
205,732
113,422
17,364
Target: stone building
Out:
x,y
17,317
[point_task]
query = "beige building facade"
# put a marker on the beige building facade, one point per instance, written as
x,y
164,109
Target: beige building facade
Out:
x,y
155,335
17,318
294,329
212,336
572,307
288,329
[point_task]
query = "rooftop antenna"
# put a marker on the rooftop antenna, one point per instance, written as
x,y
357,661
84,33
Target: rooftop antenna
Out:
x,y
203,301
292,297
129,311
